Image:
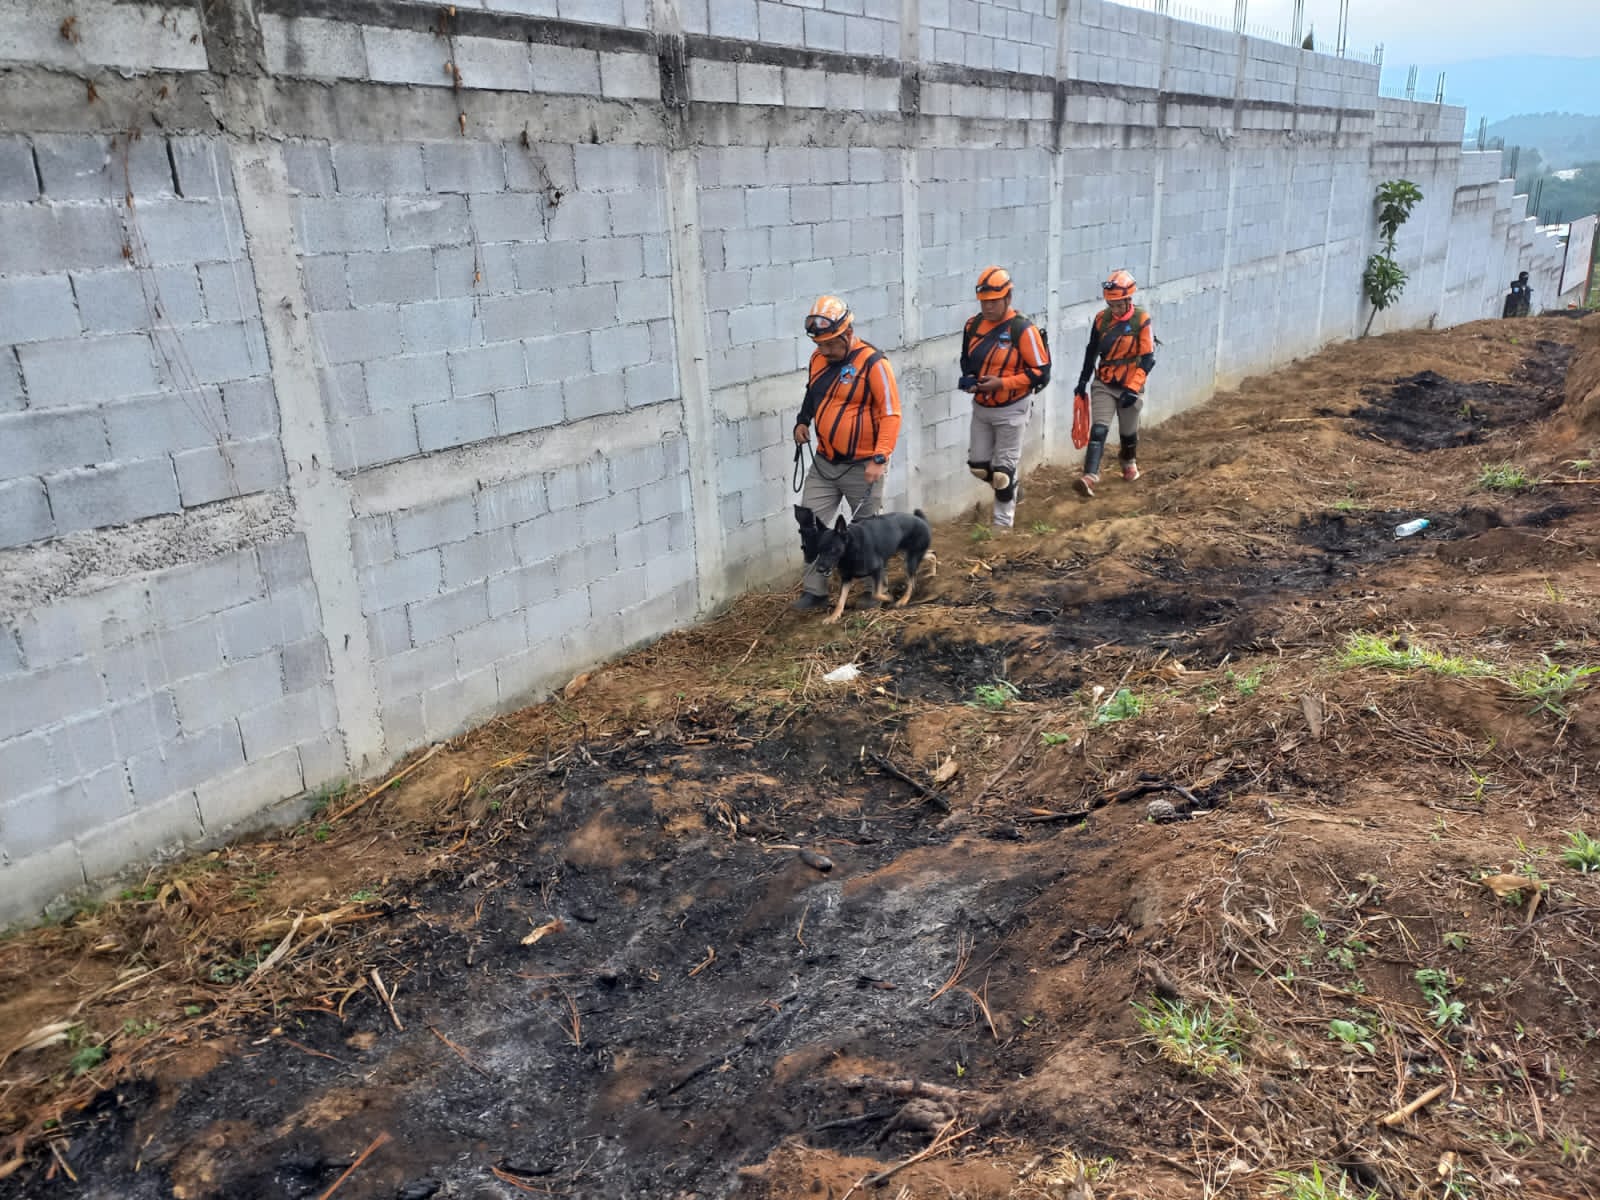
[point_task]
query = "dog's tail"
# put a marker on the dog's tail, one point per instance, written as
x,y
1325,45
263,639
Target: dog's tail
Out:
x,y
918,512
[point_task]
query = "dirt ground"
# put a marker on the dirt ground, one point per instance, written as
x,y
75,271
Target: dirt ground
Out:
x,y
1204,839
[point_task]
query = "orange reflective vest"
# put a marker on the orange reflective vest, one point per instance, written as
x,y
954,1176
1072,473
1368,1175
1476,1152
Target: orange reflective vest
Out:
x,y
853,404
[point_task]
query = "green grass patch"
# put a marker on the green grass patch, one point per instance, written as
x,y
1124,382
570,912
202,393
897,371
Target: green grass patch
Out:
x,y
1042,527
1295,1185
1504,477
1548,685
1055,739
993,696
1372,650
1582,852
1121,707
1204,1040
981,533
1248,684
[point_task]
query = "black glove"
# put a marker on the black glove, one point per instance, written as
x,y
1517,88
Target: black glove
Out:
x,y
1129,398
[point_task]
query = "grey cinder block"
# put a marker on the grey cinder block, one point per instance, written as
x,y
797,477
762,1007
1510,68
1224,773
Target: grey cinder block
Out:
x,y
445,521
37,309
112,494
60,237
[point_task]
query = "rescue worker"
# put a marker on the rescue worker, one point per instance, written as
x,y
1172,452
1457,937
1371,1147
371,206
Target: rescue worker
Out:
x,y
1121,339
854,402
1004,361
1519,300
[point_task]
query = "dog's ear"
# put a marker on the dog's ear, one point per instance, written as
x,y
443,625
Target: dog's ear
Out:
x,y
840,525
804,516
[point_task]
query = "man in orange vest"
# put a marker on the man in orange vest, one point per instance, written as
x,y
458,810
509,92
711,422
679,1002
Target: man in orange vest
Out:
x,y
854,402
1121,339
1003,362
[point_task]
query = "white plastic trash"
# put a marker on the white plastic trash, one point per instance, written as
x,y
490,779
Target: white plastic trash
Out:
x,y
1410,527
844,674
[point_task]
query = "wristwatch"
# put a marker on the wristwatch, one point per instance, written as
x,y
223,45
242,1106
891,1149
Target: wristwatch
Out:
x,y
880,459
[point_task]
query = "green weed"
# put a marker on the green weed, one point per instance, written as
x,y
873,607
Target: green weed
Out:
x,y
1456,940
86,1058
1548,685
364,896
1371,650
1055,739
328,794
994,696
1435,985
981,533
1504,477
1202,1039
1042,527
1582,852
1293,1185
1121,707
1348,505
1248,684
322,832
1351,1033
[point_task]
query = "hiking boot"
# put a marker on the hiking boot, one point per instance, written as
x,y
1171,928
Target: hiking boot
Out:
x,y
1087,484
808,601
1130,471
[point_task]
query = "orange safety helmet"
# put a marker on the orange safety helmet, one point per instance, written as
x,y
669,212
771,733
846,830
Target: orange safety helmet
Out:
x,y
1119,287
994,283
828,318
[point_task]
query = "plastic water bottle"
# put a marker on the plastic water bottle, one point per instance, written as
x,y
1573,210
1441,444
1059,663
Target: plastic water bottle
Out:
x,y
1410,527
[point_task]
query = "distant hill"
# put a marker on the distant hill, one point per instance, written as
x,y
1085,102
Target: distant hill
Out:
x,y
1562,139
1501,87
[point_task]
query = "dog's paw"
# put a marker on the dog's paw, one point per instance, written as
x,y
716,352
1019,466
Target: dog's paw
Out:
x,y
831,620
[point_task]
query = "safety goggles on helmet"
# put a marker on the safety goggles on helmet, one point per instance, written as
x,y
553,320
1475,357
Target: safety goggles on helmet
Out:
x,y
822,328
1119,287
828,318
994,283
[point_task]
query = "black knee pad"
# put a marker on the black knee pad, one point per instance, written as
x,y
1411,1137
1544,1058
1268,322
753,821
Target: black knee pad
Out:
x,y
1006,494
980,470
810,531
1130,447
1096,450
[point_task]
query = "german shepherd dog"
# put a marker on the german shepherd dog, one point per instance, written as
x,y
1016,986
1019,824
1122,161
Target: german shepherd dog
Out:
x,y
863,549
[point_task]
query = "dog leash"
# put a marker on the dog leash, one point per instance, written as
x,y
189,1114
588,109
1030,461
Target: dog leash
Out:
x,y
801,468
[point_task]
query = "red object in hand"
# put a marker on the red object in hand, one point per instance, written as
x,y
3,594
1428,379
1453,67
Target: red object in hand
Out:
x,y
1080,420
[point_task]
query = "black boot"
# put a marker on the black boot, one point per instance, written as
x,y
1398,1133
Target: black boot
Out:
x,y
807,601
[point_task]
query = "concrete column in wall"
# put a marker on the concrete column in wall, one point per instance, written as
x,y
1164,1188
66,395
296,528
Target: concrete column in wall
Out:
x,y
321,498
690,319
908,455
1057,416
1327,256
232,37
1225,272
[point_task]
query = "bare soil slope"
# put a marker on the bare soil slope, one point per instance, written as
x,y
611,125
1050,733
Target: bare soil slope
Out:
x,y
1196,841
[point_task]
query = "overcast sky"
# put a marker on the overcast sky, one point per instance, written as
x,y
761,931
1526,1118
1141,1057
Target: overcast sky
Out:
x,y
1434,31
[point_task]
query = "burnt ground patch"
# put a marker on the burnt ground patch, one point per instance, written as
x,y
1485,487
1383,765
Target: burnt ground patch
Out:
x,y
1426,411
662,1034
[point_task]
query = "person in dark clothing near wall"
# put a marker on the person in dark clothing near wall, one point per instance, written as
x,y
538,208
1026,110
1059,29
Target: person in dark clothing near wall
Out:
x,y
1123,345
1519,300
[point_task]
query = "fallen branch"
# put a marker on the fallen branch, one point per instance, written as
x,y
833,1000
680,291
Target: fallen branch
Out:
x,y
275,928
273,959
750,1039
1422,1101
940,1142
385,785
381,1140
889,767
904,1087
388,1002
460,1053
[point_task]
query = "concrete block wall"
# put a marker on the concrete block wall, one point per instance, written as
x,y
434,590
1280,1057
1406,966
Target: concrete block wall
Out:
x,y
479,365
